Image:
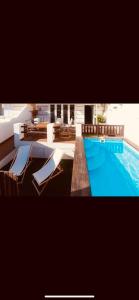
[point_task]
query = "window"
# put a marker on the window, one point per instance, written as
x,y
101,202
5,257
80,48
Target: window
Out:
x,y
72,112
59,111
52,111
65,114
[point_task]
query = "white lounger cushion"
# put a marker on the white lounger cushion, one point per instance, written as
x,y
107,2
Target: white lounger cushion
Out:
x,y
49,168
21,160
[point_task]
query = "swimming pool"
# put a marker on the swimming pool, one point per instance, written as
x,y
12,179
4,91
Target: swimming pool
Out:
x,y
113,167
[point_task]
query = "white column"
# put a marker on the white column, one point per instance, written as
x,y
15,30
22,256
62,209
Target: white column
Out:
x,y
84,114
50,133
62,112
94,113
68,113
75,115
18,129
49,113
78,130
55,112
18,135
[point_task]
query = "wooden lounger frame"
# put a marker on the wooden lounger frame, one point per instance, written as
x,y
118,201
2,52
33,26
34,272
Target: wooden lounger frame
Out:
x,y
40,188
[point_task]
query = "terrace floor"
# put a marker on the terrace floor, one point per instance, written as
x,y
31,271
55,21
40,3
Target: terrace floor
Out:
x,y
59,186
39,138
35,137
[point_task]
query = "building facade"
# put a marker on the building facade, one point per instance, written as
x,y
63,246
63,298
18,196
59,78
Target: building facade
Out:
x,y
69,113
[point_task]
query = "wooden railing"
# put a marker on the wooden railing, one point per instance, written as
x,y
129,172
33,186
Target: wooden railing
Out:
x,y
38,128
109,130
65,133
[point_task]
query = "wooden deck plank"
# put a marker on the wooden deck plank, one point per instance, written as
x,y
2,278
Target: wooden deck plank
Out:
x,y
80,181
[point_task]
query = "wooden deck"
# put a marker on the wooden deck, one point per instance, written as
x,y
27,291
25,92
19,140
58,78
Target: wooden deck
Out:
x,y
39,138
80,181
35,137
59,186
6,147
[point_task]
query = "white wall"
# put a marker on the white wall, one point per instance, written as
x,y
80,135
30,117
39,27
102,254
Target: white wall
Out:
x,y
7,124
6,130
131,120
127,115
12,109
114,114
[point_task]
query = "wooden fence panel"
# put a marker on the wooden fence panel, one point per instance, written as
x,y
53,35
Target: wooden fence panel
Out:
x,y
109,130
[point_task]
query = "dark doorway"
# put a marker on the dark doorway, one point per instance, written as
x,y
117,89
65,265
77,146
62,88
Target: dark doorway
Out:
x,y
72,112
52,113
65,114
59,111
88,114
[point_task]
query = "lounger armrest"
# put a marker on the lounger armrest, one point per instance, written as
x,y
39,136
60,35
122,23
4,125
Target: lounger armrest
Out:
x,y
13,159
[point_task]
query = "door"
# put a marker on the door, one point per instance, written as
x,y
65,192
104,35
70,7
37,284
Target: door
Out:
x,y
52,113
65,114
72,113
88,114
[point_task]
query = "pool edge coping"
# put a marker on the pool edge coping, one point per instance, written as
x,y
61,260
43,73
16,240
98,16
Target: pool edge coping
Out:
x,y
80,185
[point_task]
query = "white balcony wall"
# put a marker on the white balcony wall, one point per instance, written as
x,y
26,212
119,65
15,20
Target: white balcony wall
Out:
x,y
12,109
7,123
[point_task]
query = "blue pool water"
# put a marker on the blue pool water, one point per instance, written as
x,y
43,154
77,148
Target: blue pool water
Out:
x,y
113,167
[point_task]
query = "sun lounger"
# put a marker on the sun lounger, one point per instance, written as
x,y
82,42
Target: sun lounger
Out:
x,y
49,170
21,161
19,165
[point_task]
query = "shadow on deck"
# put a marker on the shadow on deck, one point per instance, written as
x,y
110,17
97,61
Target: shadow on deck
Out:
x,y
59,186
